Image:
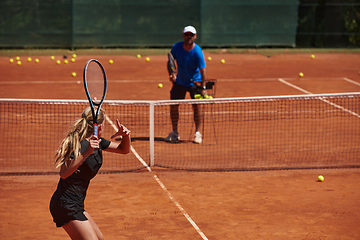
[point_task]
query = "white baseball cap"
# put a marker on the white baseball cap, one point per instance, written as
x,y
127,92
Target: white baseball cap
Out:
x,y
190,29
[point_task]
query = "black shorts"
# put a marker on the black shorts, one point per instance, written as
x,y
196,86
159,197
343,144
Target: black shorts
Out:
x,y
179,92
64,211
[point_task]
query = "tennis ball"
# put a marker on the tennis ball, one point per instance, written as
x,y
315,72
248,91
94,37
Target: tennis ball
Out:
x,y
73,60
52,57
206,96
29,59
210,97
222,61
11,60
111,61
320,178
17,58
312,56
147,59
66,61
301,74
160,85
74,74
18,63
74,55
138,56
58,62
197,96
209,58
37,60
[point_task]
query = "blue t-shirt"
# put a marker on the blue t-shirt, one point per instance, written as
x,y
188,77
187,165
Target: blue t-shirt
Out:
x,y
188,63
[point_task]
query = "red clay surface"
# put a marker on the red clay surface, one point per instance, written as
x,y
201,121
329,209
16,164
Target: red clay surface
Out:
x,y
224,205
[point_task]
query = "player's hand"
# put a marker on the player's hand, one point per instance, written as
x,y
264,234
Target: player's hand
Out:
x,y
94,143
123,131
172,77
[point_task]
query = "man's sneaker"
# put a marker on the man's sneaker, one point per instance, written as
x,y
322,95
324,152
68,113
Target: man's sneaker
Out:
x,y
173,136
197,137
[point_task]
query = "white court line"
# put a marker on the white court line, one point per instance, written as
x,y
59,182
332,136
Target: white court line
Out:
x,y
163,187
351,81
41,82
324,100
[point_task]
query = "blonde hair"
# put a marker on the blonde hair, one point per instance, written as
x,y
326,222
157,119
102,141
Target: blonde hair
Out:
x,y
71,143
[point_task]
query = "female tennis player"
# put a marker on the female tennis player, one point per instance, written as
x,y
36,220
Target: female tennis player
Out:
x,y
79,158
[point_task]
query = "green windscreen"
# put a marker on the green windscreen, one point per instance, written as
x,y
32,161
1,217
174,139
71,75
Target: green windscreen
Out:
x,y
146,23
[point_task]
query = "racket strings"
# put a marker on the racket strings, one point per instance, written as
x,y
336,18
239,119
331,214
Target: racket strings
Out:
x,y
95,82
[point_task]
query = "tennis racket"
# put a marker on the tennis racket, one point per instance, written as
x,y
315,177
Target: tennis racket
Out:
x,y
172,63
95,84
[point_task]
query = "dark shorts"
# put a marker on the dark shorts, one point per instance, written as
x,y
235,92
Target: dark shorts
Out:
x,y
179,92
64,211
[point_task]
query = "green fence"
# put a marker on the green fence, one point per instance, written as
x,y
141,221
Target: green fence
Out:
x,y
158,23
328,23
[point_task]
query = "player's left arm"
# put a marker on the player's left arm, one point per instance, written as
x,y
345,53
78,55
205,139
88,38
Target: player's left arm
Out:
x,y
124,146
202,68
203,83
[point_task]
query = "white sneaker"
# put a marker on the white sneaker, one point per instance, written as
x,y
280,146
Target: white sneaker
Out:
x,y
173,136
197,138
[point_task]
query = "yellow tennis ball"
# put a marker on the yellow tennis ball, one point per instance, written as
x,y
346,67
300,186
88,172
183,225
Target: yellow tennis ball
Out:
x,y
147,59
18,63
160,85
209,58
74,74
66,61
111,61
197,96
11,60
222,61
138,56
52,57
301,74
73,60
321,178
17,58
312,56
58,62
29,59
74,55
37,60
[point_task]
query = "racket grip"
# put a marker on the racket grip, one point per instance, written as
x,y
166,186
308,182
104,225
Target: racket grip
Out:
x,y
95,130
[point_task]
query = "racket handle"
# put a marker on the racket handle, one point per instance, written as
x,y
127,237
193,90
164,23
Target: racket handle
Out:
x,y
95,130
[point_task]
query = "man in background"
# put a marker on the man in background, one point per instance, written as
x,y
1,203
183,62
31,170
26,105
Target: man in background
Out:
x,y
190,72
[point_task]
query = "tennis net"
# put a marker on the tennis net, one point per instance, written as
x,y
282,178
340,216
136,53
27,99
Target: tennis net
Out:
x,y
258,133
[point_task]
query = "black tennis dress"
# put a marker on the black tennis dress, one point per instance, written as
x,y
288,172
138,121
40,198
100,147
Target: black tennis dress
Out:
x,y
67,202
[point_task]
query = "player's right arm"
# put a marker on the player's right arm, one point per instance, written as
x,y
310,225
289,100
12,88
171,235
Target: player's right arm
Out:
x,y
71,165
172,75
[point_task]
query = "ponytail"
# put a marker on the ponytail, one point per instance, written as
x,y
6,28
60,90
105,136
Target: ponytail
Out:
x,y
78,132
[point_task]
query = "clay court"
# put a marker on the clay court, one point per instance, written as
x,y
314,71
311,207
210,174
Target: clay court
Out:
x,y
170,204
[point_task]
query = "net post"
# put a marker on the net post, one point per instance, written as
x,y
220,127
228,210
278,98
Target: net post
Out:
x,y
151,133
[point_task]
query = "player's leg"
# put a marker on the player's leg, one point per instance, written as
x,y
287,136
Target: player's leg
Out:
x,y
95,226
77,229
174,115
177,92
197,116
